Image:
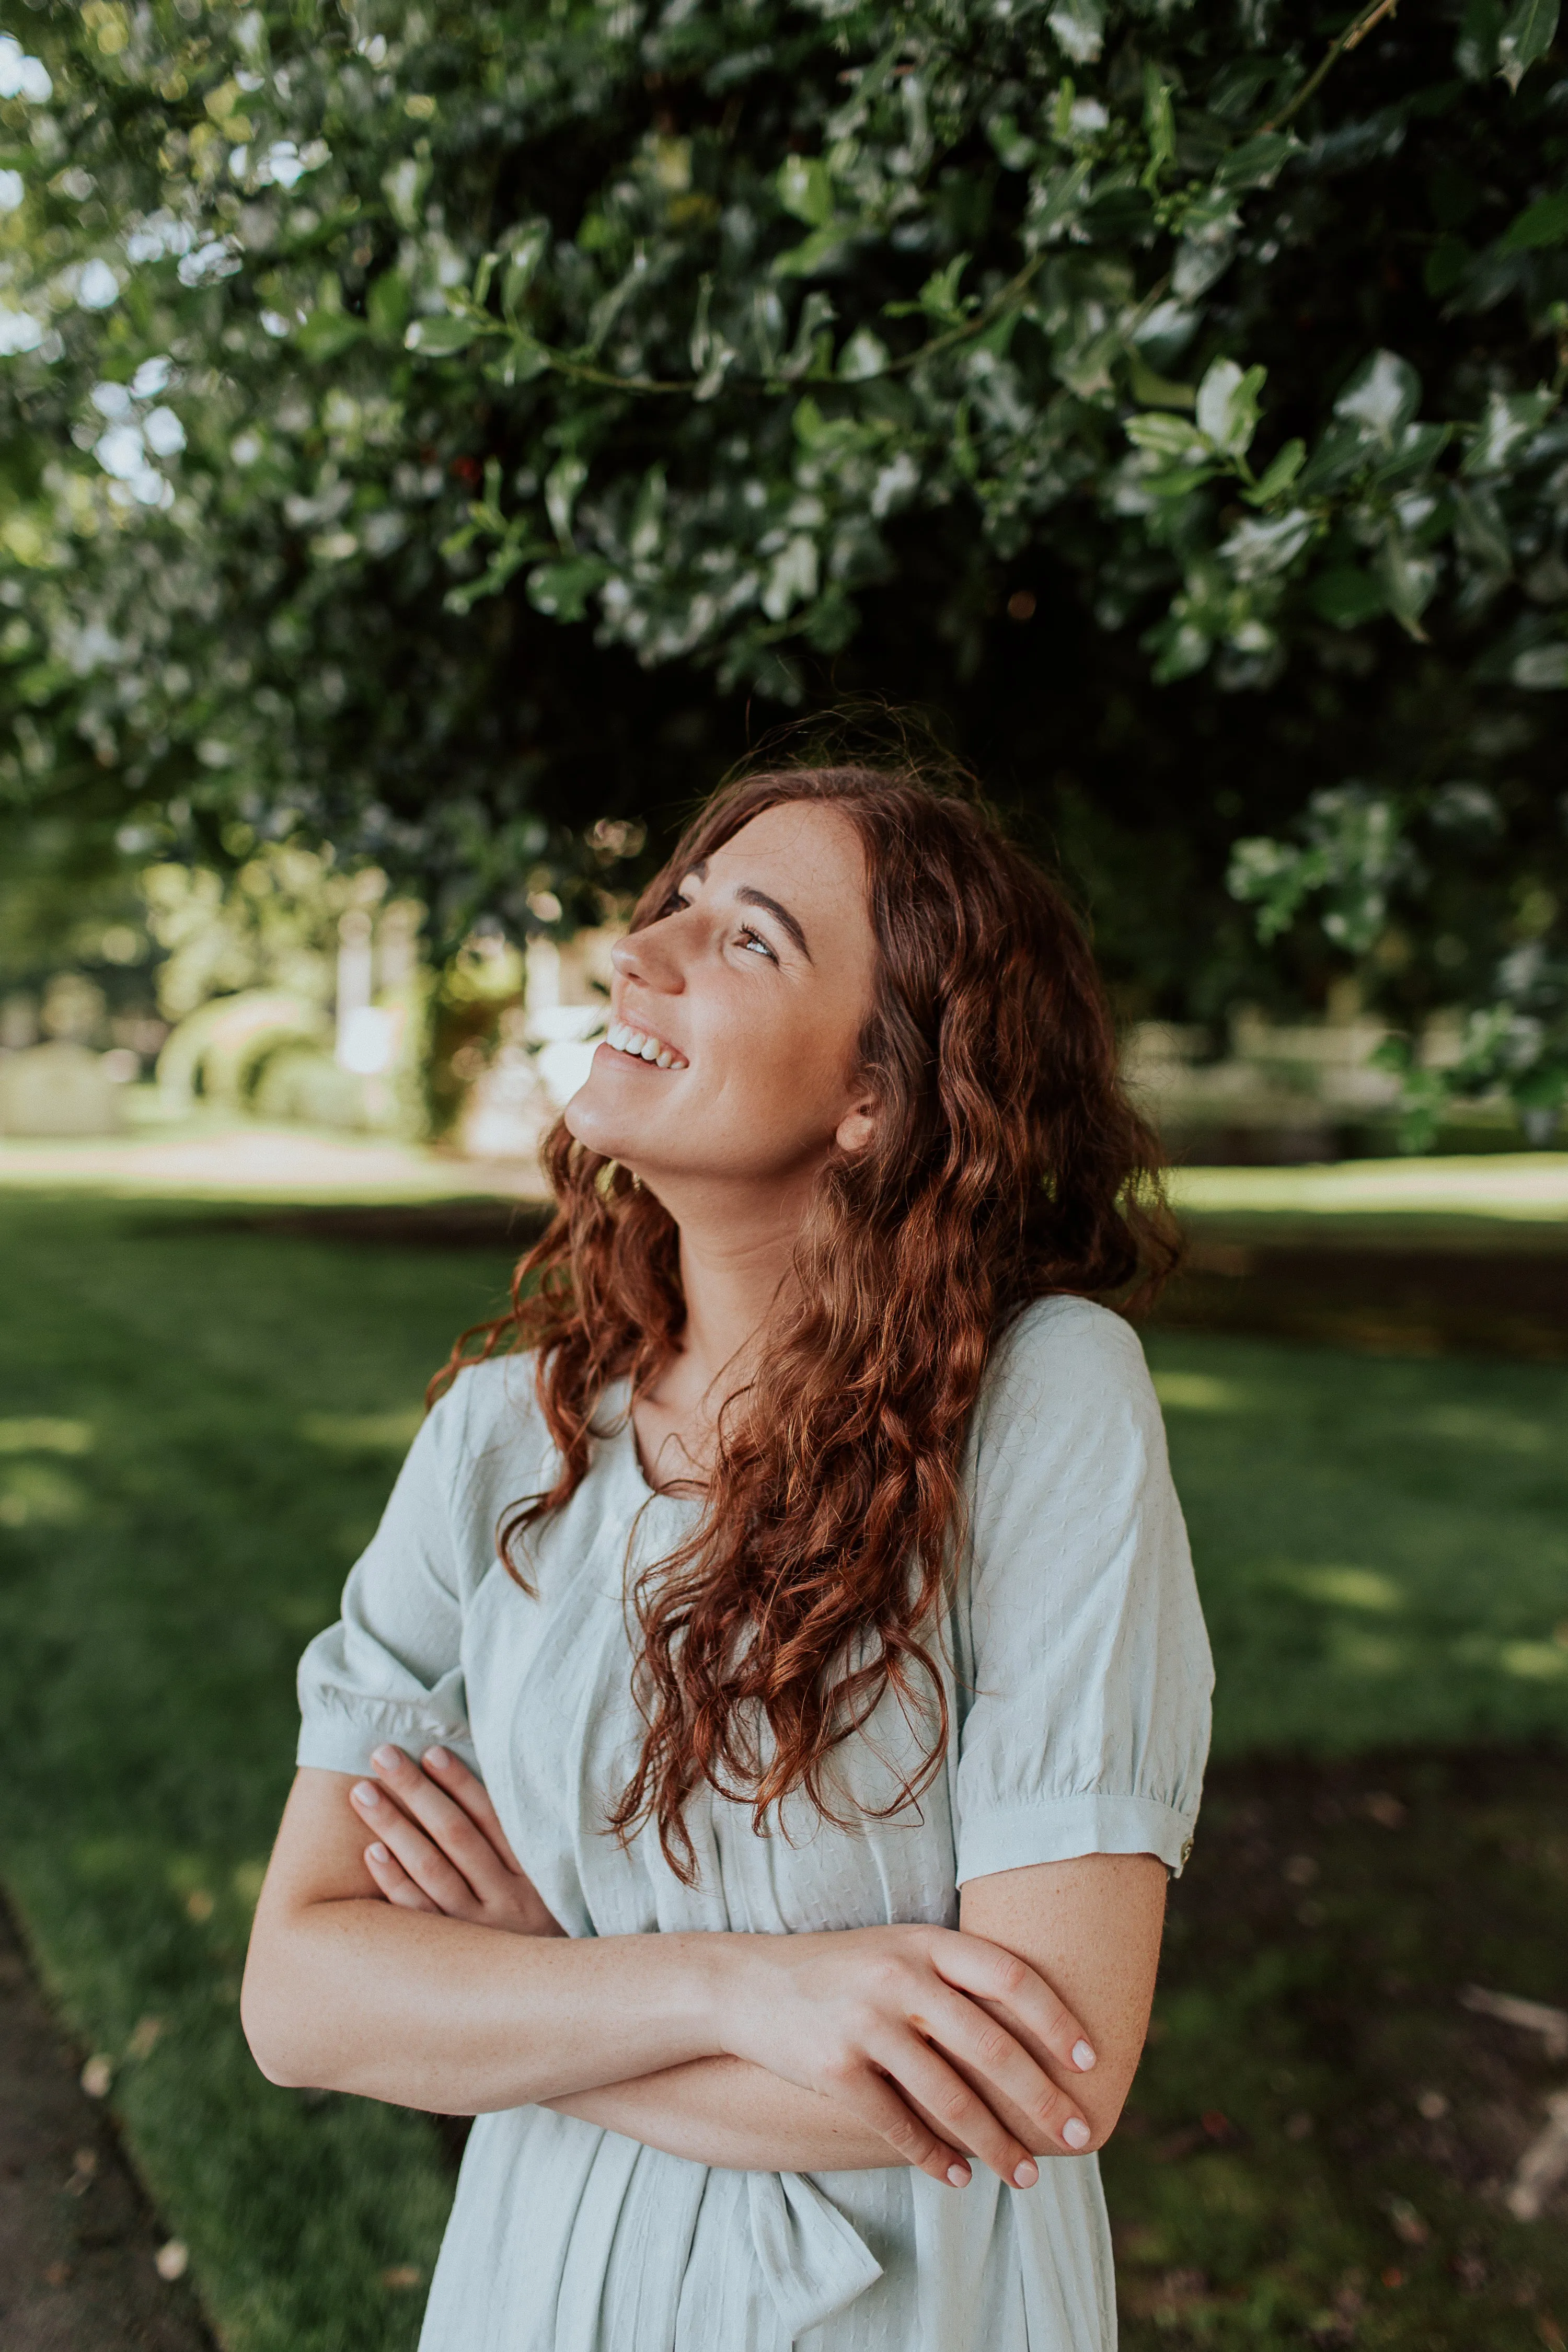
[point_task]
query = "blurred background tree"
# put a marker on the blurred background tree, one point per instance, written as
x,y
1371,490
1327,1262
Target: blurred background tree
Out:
x,y
450,434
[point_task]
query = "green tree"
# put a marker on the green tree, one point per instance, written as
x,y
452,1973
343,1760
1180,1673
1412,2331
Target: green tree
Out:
x,y
433,429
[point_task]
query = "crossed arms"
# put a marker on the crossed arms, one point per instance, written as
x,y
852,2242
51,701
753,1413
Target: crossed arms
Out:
x,y
423,1969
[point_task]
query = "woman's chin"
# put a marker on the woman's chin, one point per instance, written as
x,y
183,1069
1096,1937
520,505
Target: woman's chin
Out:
x,y
598,1125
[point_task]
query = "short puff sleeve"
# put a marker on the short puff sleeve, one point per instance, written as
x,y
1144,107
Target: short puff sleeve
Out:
x,y
390,1668
1089,1668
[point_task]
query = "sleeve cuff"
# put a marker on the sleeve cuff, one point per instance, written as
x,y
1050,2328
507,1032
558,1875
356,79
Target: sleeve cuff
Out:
x,y
1060,1829
334,1741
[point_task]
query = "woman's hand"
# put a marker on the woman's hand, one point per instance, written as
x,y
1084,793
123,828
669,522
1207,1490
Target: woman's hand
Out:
x,y
437,1845
928,2036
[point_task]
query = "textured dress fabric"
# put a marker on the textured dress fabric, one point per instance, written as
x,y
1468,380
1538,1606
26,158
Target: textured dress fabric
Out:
x,y
1078,1678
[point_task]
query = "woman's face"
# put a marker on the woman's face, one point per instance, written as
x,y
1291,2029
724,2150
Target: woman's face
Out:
x,y
734,1017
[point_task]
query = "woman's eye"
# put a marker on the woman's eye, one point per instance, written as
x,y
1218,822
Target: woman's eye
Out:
x,y
755,944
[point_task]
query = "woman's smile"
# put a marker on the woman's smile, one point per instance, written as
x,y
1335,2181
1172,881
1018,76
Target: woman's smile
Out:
x,y
632,1044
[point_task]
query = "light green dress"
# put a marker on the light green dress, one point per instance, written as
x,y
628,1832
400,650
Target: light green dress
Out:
x,y
1079,1685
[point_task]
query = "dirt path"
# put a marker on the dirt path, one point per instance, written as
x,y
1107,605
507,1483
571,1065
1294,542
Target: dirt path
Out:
x,y
78,2241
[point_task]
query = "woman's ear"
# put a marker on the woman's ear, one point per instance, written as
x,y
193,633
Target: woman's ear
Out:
x,y
856,1126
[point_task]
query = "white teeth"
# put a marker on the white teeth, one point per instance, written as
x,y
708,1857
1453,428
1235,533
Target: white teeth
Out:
x,y
641,1046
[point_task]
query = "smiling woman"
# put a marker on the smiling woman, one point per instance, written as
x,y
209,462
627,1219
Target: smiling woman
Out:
x,y
776,1693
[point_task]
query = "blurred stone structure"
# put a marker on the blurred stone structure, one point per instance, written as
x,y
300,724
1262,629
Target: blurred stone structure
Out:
x,y
1280,1094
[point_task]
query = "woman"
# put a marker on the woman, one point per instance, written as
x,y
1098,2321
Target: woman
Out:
x,y
799,1573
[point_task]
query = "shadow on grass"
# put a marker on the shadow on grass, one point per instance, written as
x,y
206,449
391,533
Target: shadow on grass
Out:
x,y
1321,2139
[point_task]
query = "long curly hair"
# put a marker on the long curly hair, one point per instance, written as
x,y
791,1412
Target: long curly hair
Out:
x,y
1006,1165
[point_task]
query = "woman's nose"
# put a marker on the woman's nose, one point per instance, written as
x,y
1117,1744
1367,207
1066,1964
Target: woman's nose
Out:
x,y
648,957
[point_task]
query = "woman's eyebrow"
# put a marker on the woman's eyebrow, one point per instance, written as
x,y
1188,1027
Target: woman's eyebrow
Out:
x,y
750,897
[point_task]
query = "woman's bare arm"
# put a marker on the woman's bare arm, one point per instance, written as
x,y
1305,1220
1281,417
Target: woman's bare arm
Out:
x,y
1091,1927
347,1991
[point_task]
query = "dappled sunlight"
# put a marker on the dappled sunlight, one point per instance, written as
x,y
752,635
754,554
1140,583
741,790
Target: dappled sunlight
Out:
x,y
1535,1661
1353,1652
1505,1432
35,1494
1345,1588
389,1433
1198,1392
42,1435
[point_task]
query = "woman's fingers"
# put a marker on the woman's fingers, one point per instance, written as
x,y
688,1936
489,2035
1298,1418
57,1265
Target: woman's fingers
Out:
x,y
956,2108
423,1862
453,1775
877,2103
993,2061
1000,1978
393,1880
467,1847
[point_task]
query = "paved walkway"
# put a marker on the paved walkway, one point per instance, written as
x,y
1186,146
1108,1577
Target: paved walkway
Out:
x,y
251,1162
80,2249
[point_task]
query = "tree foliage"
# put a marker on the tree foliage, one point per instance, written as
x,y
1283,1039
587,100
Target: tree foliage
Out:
x,y
403,405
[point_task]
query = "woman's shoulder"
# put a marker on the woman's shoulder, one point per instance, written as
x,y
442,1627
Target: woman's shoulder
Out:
x,y
489,1411
1062,1364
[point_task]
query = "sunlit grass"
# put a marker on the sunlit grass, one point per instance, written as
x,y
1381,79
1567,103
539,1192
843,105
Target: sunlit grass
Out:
x,y
1382,1542
199,1427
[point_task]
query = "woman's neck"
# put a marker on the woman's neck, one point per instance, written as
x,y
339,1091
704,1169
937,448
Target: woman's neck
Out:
x,y
737,1251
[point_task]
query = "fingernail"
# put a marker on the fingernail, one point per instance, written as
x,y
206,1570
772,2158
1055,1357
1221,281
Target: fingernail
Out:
x,y
366,1792
387,1760
1082,2056
959,2174
1027,2175
1076,2131
377,1851
438,1757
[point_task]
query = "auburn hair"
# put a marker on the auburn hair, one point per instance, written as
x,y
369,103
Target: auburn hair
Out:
x,y
1006,1165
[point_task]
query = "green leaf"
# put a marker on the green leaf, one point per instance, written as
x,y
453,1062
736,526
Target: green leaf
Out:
x,y
1079,28
439,338
1257,549
1382,396
327,335
561,590
865,355
1280,475
812,253
1410,580
1256,162
404,188
1526,37
562,484
1544,223
1346,596
521,250
804,190
386,306
1227,407
1175,438
1159,121
1508,419
1541,669
1176,485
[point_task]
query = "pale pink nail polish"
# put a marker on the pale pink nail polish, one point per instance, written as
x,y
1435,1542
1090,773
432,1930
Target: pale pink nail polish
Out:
x,y
1082,2056
1076,2131
438,1757
366,1792
377,1851
959,2174
1027,2175
387,1760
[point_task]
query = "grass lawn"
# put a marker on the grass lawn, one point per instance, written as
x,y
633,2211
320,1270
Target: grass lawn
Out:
x,y
197,1427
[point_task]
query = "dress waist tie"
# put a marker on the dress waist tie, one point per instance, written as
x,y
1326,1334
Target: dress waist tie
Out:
x,y
814,2261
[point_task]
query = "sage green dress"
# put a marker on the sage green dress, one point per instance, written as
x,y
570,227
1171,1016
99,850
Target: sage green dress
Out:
x,y
1079,1685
